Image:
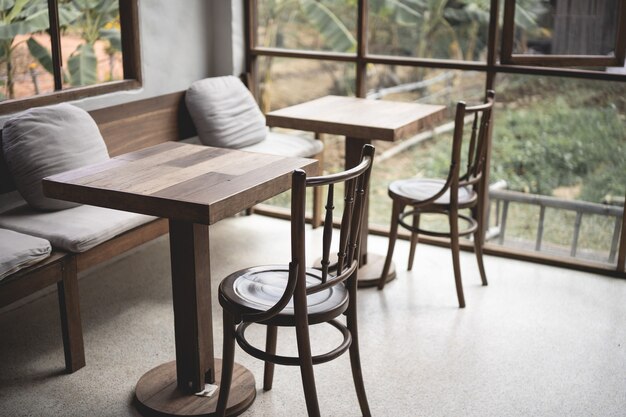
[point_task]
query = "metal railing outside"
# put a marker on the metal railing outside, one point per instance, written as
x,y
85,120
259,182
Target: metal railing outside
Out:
x,y
502,198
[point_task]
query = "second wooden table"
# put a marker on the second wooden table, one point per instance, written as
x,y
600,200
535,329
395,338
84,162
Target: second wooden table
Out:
x,y
360,121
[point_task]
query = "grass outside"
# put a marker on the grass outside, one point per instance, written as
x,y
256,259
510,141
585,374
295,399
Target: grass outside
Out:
x,y
564,138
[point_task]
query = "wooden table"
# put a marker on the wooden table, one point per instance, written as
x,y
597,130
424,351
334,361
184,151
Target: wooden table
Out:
x,y
360,121
193,186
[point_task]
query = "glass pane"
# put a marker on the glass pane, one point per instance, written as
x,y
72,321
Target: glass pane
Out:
x,y
429,29
286,81
566,27
561,144
90,42
25,65
328,25
424,85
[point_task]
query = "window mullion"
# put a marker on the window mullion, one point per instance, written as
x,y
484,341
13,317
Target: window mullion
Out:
x,y
620,43
55,41
361,47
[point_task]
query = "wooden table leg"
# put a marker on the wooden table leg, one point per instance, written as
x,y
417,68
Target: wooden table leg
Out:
x,y
371,264
168,390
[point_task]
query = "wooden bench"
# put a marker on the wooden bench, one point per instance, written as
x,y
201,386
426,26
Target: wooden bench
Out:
x,y
125,128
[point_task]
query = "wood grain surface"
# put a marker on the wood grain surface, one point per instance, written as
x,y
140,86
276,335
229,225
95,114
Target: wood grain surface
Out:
x,y
156,393
358,117
179,181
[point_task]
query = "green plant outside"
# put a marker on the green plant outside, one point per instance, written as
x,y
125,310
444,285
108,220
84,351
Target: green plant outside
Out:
x,y
93,20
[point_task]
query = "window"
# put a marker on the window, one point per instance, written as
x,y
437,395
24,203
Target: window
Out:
x,y
59,50
564,33
558,144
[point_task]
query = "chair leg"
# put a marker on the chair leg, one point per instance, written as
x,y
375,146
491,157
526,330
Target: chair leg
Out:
x,y
414,240
71,327
454,246
270,347
478,248
355,356
306,370
228,363
479,241
393,235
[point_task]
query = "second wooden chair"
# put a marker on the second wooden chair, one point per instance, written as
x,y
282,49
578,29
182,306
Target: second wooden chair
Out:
x,y
462,189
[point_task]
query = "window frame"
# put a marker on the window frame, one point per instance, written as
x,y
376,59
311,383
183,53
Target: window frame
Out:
x,y
129,27
507,57
493,66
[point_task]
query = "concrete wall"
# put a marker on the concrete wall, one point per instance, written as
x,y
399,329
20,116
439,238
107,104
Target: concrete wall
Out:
x,y
182,41
176,38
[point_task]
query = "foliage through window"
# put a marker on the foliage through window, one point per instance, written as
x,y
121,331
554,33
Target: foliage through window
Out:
x,y
558,138
55,45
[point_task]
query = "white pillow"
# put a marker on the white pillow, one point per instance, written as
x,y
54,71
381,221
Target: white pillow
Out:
x,y
49,140
225,113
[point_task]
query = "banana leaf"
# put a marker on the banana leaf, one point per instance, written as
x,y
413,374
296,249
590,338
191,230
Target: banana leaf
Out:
x,y
43,57
86,4
113,36
83,66
329,25
108,7
16,10
6,4
41,54
33,23
68,14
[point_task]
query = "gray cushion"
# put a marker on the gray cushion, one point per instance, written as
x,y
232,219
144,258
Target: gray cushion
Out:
x,y
225,113
45,141
76,229
9,201
287,145
19,251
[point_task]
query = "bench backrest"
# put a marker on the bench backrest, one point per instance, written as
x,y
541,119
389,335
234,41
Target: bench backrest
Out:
x,y
131,126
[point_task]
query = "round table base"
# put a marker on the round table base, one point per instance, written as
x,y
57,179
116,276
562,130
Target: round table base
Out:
x,y
369,274
156,393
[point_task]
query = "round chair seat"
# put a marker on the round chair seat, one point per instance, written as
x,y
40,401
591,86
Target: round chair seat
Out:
x,y
258,289
420,189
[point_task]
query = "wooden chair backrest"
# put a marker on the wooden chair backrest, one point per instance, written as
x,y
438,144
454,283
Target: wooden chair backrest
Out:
x,y
356,182
479,142
131,126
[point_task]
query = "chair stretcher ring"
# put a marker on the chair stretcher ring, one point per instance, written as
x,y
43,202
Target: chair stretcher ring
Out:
x,y
291,360
472,225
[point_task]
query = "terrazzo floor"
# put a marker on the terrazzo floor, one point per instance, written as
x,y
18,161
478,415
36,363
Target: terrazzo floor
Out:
x,y
538,341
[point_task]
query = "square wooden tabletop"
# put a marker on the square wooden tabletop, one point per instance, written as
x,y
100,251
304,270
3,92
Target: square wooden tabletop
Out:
x,y
358,117
199,184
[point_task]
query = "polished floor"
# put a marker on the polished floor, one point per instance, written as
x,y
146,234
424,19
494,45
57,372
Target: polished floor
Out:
x,y
538,341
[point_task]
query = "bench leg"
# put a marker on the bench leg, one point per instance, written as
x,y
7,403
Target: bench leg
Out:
x,y
69,305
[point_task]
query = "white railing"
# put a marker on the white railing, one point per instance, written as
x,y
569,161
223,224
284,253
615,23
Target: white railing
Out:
x,y
502,198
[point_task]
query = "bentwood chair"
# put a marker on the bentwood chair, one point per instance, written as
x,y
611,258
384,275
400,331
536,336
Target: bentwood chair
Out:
x,y
462,189
297,296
